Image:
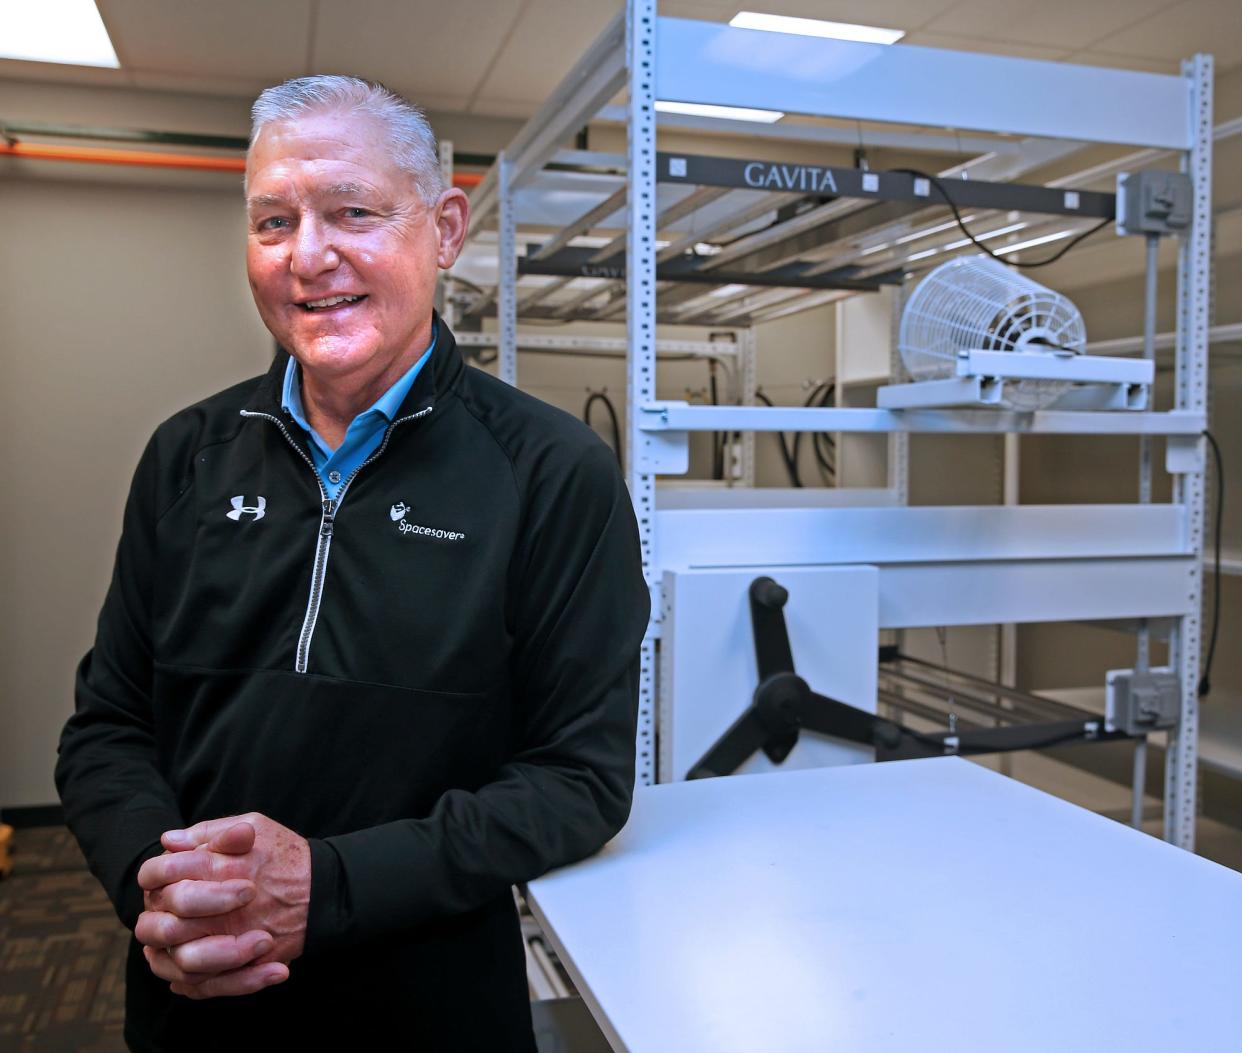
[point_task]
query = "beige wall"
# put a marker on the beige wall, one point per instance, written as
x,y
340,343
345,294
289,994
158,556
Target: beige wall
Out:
x,y
120,305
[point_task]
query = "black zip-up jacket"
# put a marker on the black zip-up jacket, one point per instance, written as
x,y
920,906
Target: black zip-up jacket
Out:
x,y
434,679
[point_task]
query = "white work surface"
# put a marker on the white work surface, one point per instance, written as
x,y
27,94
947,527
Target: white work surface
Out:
x,y
916,906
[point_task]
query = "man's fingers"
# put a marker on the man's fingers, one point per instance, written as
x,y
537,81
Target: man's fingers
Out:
x,y
161,929
240,982
220,954
206,832
201,899
165,968
235,840
187,866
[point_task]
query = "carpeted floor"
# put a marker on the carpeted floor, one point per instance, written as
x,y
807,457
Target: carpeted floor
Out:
x,y
62,952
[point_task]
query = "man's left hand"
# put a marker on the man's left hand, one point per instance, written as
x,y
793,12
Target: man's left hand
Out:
x,y
226,905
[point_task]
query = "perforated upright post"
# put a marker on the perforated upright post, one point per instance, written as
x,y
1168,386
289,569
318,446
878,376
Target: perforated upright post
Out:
x,y
1194,276
506,297
640,303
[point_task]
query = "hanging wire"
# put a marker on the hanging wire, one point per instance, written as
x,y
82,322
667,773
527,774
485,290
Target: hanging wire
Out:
x,y
602,397
939,184
1205,682
822,443
791,464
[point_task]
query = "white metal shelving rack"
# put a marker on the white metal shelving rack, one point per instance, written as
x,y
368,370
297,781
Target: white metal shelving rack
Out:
x,y
1052,109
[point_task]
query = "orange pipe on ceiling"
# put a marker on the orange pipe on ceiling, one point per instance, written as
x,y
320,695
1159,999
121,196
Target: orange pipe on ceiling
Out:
x,y
153,159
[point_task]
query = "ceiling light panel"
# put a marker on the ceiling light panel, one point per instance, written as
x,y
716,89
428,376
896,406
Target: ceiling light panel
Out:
x,y
720,112
724,113
67,31
814,27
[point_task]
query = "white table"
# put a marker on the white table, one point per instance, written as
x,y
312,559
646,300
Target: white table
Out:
x,y
916,906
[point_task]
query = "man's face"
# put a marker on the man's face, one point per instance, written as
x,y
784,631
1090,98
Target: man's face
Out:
x,y
332,216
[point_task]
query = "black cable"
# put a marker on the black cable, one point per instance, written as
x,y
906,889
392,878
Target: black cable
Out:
x,y
1205,682
599,396
824,445
939,185
791,465
819,396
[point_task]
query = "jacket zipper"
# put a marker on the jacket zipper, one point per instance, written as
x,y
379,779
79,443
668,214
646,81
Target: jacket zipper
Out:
x,y
327,521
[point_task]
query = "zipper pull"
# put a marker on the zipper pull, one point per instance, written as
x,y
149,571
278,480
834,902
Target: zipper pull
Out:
x,y
329,515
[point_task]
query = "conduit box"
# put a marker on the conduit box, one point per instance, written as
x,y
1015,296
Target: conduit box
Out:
x,y
1153,202
1137,703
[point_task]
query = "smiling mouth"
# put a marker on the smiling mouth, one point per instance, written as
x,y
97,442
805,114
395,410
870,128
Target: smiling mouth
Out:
x,y
330,303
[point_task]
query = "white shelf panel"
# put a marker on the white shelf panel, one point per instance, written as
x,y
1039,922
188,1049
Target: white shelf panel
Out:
x,y
706,62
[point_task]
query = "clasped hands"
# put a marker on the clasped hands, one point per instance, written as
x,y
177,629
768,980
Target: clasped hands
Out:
x,y
226,906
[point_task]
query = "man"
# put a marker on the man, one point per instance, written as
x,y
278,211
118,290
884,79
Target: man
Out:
x,y
369,655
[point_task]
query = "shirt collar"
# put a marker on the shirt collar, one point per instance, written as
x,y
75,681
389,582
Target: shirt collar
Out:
x,y
388,404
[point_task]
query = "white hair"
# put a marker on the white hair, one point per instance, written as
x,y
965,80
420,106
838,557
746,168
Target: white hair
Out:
x,y
410,138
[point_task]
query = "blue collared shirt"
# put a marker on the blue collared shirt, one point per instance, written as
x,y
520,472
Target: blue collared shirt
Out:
x,y
365,431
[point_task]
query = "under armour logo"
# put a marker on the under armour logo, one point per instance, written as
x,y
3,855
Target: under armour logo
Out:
x,y
240,508
398,511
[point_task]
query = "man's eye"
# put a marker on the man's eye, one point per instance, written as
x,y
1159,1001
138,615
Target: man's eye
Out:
x,y
356,213
273,223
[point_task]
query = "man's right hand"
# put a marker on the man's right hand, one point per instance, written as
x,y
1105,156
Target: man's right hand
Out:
x,y
196,930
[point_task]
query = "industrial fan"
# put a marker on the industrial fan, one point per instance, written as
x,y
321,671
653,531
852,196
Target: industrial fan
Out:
x,y
976,332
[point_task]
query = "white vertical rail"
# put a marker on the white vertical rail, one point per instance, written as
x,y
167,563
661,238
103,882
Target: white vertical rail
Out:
x,y
640,317
1193,303
898,442
746,351
1007,634
506,298
1142,658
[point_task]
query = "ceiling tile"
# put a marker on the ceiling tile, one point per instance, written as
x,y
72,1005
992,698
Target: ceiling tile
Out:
x,y
539,52
1179,31
1068,24
492,106
1134,62
418,47
224,38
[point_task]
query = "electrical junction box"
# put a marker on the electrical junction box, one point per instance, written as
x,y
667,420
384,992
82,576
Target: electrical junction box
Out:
x,y
1153,202
1138,703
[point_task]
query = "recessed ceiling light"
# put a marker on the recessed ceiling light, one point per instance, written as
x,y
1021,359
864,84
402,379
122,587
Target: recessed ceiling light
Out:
x,y
726,113
814,27
69,31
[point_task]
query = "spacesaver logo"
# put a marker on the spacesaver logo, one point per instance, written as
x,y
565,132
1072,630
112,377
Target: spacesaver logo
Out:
x,y
397,515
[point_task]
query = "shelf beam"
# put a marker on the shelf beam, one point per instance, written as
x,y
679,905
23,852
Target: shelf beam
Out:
x,y
681,416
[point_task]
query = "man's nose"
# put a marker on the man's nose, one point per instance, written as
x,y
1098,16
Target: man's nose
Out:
x,y
313,251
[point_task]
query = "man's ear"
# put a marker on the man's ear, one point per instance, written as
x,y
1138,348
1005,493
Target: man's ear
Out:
x,y
452,221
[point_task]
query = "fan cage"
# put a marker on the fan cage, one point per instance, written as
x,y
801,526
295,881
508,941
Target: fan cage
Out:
x,y
977,303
